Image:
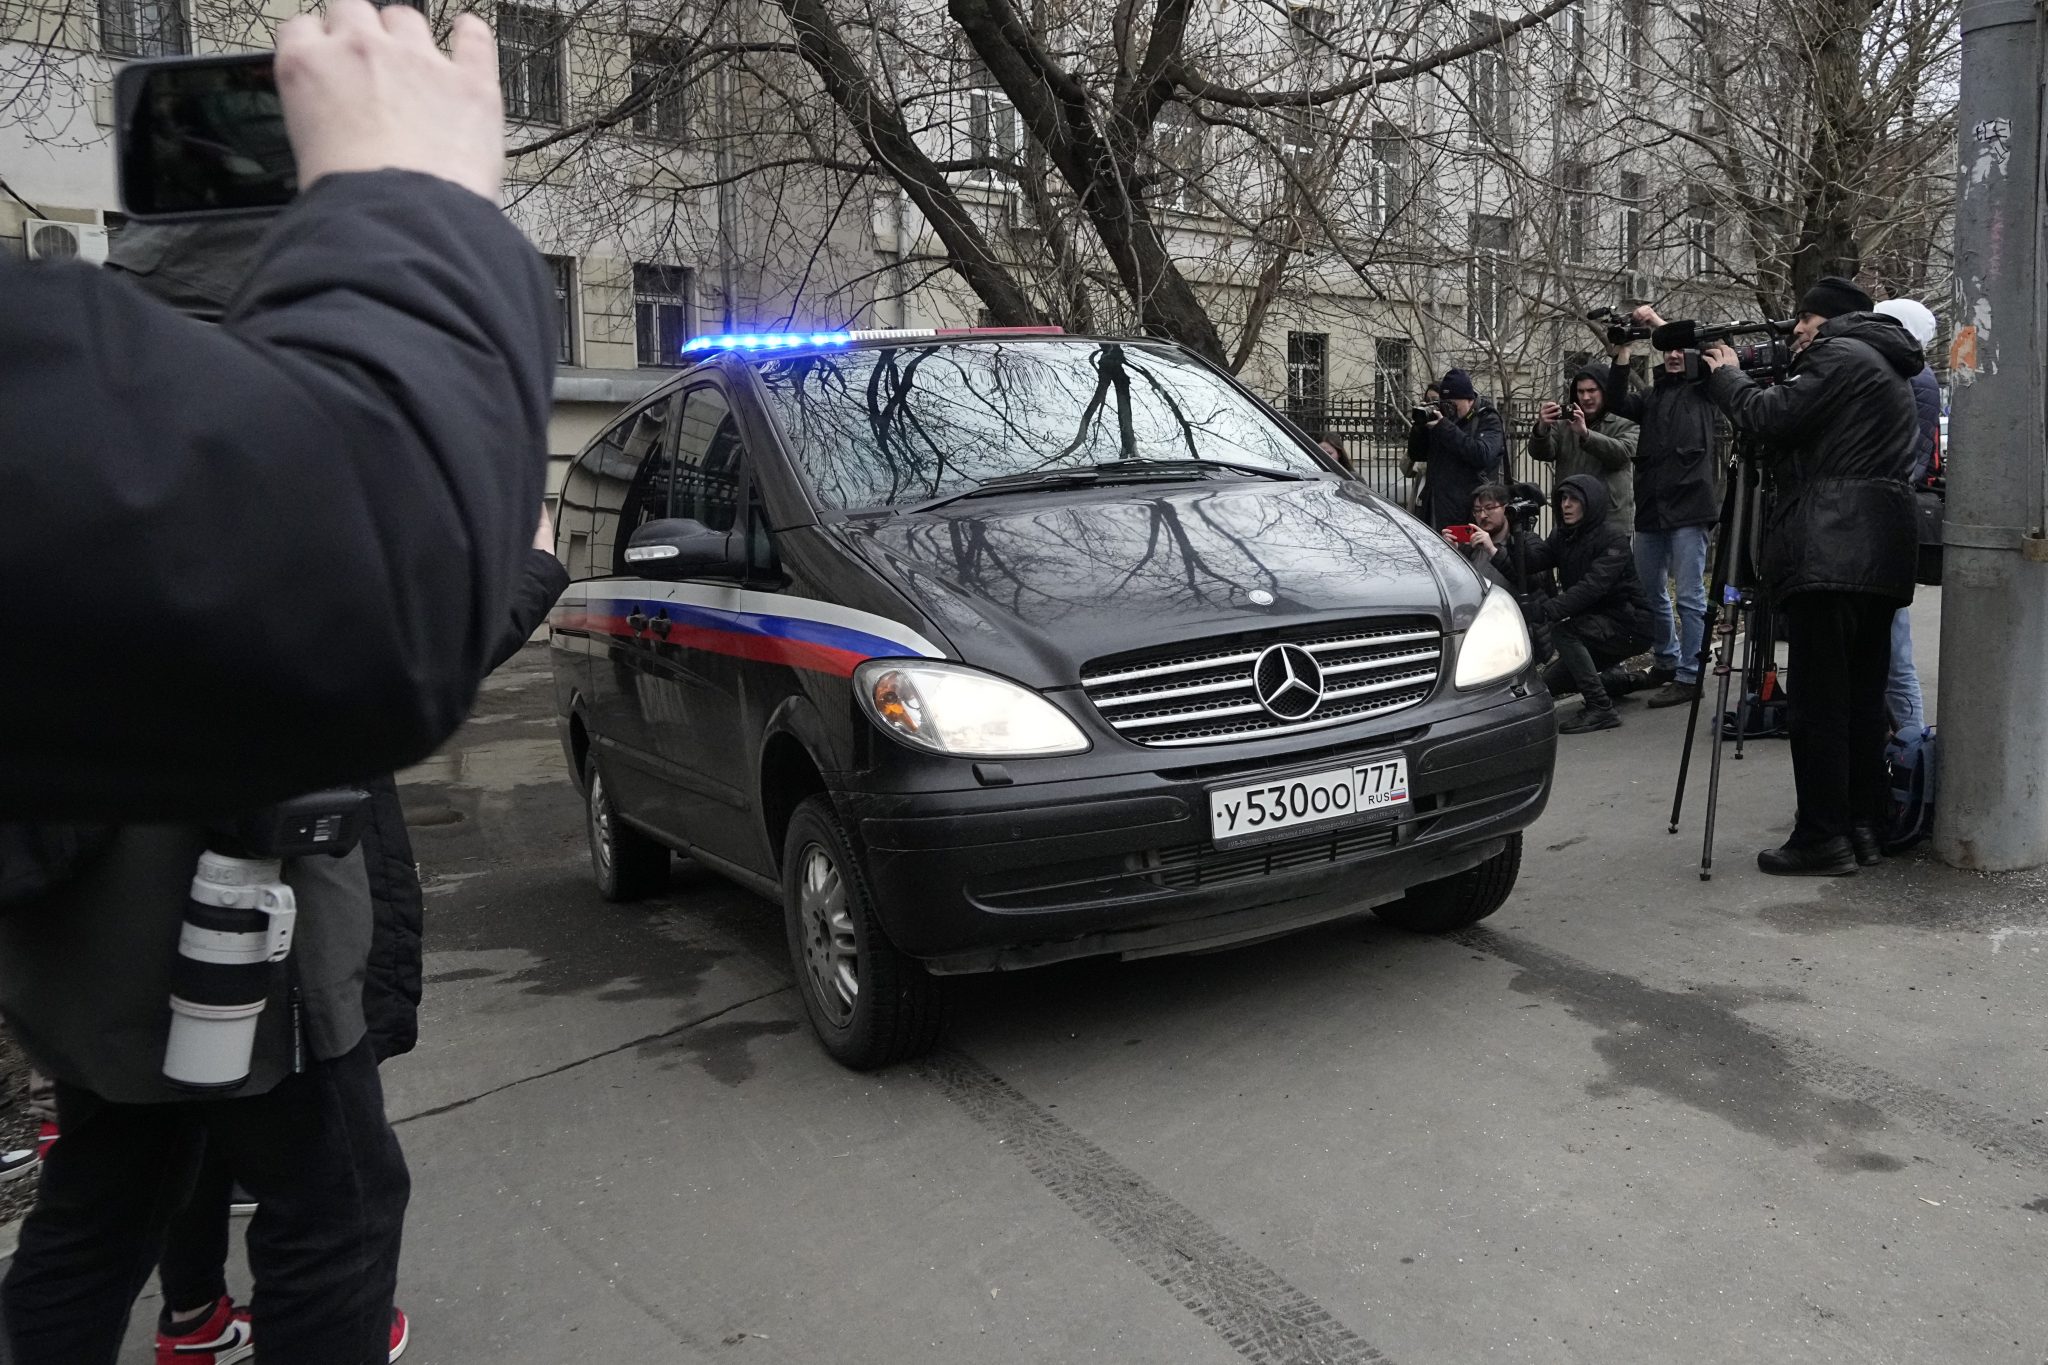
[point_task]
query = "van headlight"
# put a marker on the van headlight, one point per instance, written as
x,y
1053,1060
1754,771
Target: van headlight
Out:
x,y
1496,645
951,709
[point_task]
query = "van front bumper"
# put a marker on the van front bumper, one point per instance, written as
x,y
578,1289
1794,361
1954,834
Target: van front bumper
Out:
x,y
1004,877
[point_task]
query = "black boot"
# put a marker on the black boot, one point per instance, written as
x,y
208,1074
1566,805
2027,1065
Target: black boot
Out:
x,y
1591,718
1869,847
1834,857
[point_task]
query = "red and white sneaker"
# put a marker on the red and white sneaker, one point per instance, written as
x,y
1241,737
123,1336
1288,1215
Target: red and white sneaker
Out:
x,y
401,1333
223,1338
26,1161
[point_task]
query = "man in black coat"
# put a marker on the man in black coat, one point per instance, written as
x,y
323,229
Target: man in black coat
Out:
x,y
1599,616
1467,442
307,520
1838,553
1678,500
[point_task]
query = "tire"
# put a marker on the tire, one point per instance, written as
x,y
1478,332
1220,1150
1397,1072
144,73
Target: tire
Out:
x,y
626,864
1458,901
869,1003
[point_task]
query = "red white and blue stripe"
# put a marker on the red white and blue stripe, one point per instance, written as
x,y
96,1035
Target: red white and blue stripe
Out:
x,y
766,627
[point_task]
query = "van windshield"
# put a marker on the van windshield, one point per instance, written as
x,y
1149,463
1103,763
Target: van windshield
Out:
x,y
906,424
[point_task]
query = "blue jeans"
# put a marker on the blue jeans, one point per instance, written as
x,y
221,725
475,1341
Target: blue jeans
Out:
x,y
1680,555
1902,687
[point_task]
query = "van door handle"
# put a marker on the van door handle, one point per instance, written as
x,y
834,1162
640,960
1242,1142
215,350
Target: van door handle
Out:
x,y
637,620
660,624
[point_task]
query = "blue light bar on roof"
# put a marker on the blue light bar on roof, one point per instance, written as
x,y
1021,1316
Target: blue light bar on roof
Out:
x,y
764,341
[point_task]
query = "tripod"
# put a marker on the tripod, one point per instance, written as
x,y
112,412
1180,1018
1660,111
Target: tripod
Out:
x,y
1732,603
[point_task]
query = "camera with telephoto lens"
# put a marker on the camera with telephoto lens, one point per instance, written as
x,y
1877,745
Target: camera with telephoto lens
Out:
x,y
238,931
1620,330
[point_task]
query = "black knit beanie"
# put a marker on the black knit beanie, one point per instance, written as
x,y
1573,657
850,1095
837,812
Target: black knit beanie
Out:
x,y
1832,296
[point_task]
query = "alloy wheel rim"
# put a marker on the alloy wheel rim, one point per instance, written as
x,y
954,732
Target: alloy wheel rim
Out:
x,y
600,824
831,951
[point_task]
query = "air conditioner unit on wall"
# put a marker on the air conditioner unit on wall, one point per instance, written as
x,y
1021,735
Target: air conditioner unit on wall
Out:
x,y
52,241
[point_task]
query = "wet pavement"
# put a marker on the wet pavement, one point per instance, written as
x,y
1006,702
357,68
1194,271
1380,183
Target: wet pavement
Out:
x,y
1635,1117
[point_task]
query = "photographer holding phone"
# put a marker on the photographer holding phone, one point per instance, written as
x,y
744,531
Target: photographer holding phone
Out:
x,y
1587,439
339,481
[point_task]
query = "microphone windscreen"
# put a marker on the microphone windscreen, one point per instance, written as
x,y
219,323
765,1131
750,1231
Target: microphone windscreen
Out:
x,y
1682,335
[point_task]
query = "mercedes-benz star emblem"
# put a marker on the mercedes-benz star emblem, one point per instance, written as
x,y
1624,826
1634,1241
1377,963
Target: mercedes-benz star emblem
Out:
x,y
1288,682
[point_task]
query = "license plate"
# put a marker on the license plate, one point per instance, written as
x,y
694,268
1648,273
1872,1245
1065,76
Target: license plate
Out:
x,y
1334,796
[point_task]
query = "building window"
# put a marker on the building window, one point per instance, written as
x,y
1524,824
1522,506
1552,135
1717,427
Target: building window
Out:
x,y
661,313
1578,81
1308,369
1393,361
530,63
658,87
1632,282
1487,282
143,28
1389,171
1312,27
1575,186
994,129
1702,228
1180,142
1635,28
1489,93
568,304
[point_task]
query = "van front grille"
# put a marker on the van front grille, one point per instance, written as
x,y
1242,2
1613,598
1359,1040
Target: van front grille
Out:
x,y
1210,695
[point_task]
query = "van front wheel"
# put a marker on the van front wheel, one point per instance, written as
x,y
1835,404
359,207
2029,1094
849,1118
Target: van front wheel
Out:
x,y
1460,900
869,1003
626,864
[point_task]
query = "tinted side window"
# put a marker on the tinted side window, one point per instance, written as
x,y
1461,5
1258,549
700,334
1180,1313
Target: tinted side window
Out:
x,y
589,512
707,464
644,451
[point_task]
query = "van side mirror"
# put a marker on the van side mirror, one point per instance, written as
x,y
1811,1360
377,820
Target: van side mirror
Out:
x,y
677,547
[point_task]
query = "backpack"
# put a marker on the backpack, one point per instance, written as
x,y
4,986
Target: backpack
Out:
x,y
1913,761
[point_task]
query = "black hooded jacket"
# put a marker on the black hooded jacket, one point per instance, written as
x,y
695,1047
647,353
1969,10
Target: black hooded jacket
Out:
x,y
1599,592
1463,454
1677,453
1840,435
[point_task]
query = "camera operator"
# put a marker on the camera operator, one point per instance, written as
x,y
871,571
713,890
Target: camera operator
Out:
x,y
1466,443
1599,616
1838,554
1588,439
1677,503
306,521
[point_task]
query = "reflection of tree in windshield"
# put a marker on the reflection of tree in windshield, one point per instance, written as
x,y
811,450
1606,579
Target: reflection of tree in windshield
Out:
x,y
1181,554
906,423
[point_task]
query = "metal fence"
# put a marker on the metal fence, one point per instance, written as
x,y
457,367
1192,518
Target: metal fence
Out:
x,y
1375,441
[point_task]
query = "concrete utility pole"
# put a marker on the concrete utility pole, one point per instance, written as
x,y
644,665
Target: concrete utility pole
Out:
x,y
1992,812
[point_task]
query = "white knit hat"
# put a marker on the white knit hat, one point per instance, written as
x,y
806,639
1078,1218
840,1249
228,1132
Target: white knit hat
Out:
x,y
1914,317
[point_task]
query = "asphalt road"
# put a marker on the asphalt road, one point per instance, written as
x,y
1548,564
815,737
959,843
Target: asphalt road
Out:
x,y
1633,1118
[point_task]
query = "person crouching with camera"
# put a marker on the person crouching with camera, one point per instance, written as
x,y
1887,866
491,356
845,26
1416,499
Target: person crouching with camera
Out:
x,y
1600,615
1838,555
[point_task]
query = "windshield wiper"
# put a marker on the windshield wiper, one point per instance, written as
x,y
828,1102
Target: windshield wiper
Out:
x,y
1106,472
1182,467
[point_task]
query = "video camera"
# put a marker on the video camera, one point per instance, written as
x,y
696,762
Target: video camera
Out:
x,y
1766,361
1620,331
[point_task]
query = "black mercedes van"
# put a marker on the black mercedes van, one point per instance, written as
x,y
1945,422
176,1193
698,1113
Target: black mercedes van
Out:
x,y
979,650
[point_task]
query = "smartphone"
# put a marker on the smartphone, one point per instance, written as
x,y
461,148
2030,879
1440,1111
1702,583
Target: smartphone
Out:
x,y
199,137
1461,534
